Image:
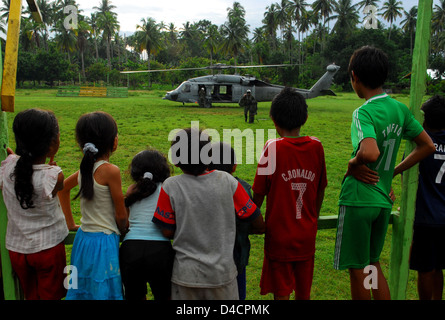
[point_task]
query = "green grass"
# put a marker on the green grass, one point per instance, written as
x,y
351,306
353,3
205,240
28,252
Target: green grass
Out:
x,y
144,119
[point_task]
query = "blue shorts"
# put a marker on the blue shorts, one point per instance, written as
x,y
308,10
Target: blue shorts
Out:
x,y
95,256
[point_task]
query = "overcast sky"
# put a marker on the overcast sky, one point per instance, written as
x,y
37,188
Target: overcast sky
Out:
x,y
130,12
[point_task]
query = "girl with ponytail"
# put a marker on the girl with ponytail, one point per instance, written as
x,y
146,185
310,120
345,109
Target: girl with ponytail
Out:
x,y
146,255
36,224
95,251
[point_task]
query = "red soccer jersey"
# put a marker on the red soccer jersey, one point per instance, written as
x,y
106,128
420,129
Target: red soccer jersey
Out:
x,y
290,173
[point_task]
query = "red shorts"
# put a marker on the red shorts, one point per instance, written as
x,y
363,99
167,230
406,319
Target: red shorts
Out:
x,y
283,277
41,274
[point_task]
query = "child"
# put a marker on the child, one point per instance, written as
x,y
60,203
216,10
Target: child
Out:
x,y
95,251
197,209
145,254
365,204
242,243
36,224
295,192
428,248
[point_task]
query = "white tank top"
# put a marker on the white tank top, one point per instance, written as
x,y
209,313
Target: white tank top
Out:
x,y
98,214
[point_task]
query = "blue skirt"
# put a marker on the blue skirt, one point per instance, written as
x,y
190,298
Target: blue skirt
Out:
x,y
95,256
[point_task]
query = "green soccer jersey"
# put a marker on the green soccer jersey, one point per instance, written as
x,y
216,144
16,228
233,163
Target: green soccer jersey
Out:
x,y
388,122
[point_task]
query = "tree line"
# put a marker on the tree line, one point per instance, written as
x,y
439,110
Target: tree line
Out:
x,y
310,36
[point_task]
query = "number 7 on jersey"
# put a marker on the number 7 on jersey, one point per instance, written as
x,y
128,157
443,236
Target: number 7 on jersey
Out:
x,y
301,187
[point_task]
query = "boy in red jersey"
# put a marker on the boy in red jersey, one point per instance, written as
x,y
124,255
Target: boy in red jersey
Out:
x,y
294,186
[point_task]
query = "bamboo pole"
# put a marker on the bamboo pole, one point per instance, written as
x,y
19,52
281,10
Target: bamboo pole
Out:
x,y
11,56
11,287
403,225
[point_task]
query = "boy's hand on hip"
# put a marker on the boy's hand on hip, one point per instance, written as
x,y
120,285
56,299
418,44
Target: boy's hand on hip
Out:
x,y
362,173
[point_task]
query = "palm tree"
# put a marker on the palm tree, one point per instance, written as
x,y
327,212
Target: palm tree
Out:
x,y
235,31
83,30
441,41
92,20
409,24
364,3
237,11
297,10
65,39
324,8
439,17
270,22
303,27
172,33
4,10
391,10
211,40
106,6
108,24
149,37
2,26
30,30
346,15
282,15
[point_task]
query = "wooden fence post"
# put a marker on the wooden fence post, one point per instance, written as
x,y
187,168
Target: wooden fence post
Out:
x,y
11,287
403,225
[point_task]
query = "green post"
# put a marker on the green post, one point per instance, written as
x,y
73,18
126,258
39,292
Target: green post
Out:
x,y
11,287
403,225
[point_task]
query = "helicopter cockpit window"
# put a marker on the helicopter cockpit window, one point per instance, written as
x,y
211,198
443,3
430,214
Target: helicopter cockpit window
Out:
x,y
186,87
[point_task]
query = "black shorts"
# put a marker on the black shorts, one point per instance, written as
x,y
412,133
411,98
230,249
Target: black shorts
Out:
x,y
142,262
428,248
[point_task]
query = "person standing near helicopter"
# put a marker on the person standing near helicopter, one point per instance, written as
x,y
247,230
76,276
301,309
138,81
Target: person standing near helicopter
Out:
x,y
202,97
250,106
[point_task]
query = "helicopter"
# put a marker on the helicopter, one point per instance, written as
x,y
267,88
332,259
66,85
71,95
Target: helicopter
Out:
x,y
229,88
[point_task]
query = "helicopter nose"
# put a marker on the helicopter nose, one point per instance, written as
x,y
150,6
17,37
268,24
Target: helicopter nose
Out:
x,y
172,95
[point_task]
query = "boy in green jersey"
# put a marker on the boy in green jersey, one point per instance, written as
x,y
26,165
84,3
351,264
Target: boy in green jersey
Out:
x,y
377,129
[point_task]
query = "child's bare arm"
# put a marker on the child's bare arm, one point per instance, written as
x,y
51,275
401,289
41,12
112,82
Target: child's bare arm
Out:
x,y
258,199
258,226
169,234
424,147
65,201
114,182
367,153
319,201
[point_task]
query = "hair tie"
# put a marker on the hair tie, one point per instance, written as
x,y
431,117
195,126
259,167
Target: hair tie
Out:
x,y
148,175
90,147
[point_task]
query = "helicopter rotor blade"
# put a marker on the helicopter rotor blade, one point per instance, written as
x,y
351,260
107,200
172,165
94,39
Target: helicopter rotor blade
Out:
x,y
265,66
163,70
213,67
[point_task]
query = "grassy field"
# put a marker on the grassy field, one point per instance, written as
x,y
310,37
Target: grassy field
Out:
x,y
144,119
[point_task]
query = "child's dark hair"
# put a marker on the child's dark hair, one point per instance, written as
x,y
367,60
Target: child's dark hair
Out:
x,y
34,131
95,134
370,65
147,168
434,110
223,157
289,109
186,151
